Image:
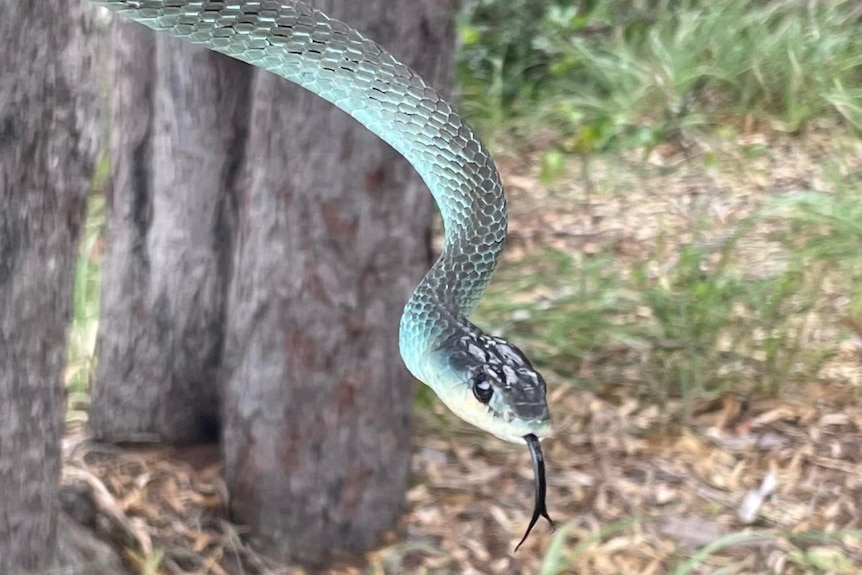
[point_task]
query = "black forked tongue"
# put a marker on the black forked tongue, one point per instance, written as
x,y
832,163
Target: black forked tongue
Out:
x,y
539,509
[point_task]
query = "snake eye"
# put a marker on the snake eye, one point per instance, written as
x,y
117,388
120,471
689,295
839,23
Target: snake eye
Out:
x,y
482,388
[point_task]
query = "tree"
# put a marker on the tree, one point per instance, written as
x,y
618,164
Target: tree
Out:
x,y
48,146
309,234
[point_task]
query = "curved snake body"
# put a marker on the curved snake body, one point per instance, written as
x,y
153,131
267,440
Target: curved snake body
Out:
x,y
483,379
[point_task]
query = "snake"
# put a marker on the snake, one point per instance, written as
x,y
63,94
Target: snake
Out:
x,y
485,380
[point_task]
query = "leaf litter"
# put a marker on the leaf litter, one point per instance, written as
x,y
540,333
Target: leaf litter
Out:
x,y
743,487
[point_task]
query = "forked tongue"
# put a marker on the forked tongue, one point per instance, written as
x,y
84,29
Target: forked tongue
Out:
x,y
539,509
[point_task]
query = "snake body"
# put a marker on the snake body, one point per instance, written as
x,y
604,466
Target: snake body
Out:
x,y
483,379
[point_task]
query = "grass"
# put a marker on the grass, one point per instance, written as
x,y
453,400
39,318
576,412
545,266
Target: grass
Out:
x,y
559,558
812,552
609,74
81,345
565,306
828,231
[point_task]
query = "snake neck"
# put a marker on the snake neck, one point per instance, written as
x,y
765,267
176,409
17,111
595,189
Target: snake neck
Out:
x,y
475,230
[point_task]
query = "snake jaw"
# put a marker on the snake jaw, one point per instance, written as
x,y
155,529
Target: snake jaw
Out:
x,y
539,507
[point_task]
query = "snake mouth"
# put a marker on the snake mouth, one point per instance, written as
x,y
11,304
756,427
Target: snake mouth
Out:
x,y
539,508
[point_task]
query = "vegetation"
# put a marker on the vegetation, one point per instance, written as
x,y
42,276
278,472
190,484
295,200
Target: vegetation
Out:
x,y
606,73
80,365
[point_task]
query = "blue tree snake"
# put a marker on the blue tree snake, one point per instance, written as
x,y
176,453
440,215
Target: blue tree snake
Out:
x,y
483,379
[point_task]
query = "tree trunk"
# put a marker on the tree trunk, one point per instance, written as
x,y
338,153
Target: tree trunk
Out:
x,y
178,134
334,229
48,144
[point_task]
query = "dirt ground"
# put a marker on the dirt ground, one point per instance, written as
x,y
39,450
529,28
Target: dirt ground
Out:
x,y
747,487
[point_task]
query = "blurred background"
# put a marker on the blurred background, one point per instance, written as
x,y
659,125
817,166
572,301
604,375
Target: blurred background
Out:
x,y
684,266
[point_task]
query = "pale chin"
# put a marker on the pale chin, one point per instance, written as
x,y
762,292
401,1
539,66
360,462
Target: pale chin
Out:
x,y
518,436
467,408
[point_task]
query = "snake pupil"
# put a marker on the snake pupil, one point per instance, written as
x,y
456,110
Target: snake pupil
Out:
x,y
482,388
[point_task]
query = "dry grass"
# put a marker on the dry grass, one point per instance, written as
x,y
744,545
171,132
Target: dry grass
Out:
x,y
631,488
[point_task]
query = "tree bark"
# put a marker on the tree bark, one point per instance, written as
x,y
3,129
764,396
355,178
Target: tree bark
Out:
x,y
48,144
334,229
179,121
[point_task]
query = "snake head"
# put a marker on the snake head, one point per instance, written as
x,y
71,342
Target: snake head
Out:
x,y
491,384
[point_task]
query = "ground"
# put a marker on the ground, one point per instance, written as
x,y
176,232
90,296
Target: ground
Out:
x,y
737,481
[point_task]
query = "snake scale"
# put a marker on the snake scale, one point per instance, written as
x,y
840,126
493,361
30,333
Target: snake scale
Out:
x,y
483,379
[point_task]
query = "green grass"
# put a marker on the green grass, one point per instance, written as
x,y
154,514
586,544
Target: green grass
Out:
x,y
714,327
815,552
565,306
559,557
81,345
827,229
609,74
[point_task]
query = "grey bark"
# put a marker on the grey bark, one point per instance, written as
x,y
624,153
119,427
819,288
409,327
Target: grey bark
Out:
x,y
179,121
334,230
48,144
